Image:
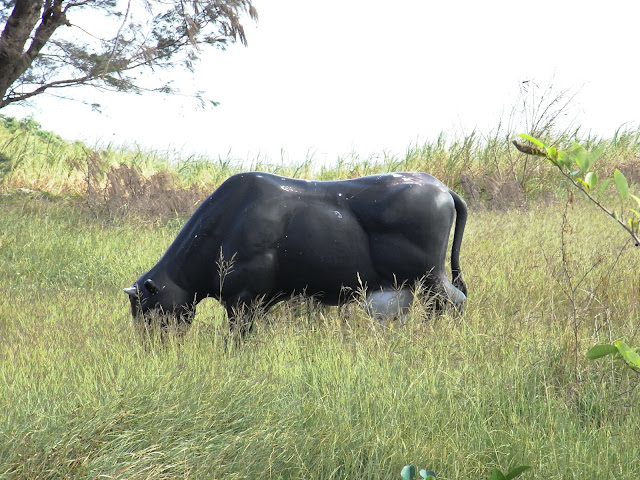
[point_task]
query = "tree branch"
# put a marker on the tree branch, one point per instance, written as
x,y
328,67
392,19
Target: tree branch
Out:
x,y
42,88
117,39
601,206
529,150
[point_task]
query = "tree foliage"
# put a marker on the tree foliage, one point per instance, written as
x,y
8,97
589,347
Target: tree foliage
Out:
x,y
109,44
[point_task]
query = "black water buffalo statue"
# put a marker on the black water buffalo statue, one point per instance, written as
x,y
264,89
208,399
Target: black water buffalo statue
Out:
x,y
262,238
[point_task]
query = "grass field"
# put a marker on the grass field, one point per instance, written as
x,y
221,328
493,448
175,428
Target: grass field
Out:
x,y
316,394
319,395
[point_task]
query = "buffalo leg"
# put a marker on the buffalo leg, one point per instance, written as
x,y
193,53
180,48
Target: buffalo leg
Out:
x,y
385,305
454,295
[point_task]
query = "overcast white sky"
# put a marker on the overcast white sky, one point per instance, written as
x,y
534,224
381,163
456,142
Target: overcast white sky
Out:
x,y
335,76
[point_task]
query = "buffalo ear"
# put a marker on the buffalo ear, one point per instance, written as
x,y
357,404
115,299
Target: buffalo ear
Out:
x,y
151,286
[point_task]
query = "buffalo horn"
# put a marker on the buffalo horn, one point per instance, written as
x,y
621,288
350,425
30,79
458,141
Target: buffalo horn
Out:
x,y
131,291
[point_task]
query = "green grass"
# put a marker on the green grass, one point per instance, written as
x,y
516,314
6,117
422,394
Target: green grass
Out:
x,y
316,394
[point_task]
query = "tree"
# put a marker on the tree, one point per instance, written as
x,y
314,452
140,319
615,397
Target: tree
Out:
x,y
107,44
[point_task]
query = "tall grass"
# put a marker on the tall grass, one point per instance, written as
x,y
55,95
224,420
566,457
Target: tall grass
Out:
x,y
316,394
485,167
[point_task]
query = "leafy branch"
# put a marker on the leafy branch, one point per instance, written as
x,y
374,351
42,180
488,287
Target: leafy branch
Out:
x,y
575,164
618,350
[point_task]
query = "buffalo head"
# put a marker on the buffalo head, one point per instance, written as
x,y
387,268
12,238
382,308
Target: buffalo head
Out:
x,y
154,304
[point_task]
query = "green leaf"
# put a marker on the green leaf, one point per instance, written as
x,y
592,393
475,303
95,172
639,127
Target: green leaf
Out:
x,y
579,155
591,158
621,183
629,355
637,200
591,179
552,156
497,475
427,474
583,183
516,471
634,223
604,184
564,159
538,143
601,350
408,472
